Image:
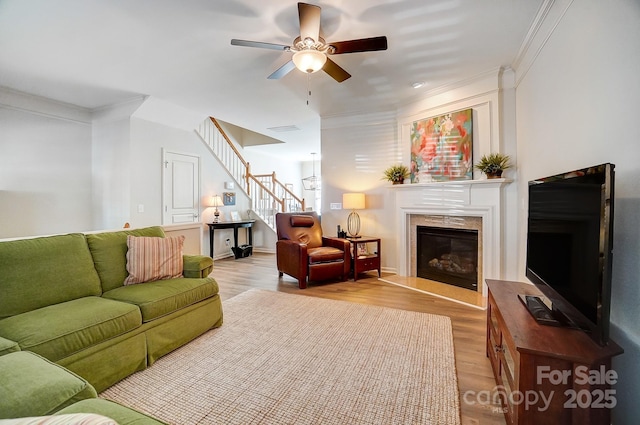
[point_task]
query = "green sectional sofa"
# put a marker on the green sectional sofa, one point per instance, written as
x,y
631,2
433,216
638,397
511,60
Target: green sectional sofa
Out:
x,y
35,390
62,297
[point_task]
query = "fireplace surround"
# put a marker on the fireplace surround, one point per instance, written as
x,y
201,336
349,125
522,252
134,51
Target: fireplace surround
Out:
x,y
468,204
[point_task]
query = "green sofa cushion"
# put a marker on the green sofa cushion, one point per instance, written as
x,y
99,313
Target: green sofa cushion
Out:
x,y
121,414
60,330
109,251
162,297
43,271
34,386
7,346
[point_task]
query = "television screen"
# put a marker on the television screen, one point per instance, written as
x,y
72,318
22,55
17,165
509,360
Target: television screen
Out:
x,y
569,243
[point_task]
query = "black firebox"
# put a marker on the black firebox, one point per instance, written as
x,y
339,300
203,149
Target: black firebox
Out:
x,y
448,256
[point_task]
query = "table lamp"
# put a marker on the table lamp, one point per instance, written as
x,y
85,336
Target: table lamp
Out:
x,y
216,201
353,202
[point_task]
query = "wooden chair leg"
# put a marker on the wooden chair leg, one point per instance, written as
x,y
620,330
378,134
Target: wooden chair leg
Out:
x,y
302,283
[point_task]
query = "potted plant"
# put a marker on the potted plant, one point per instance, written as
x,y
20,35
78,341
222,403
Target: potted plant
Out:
x,y
397,173
493,164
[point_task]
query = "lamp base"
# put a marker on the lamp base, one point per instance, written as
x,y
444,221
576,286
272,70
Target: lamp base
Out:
x,y
353,224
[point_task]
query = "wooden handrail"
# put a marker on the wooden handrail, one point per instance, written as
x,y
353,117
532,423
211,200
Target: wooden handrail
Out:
x,y
215,122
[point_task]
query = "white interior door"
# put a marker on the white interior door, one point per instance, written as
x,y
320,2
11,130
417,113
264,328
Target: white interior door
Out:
x,y
180,188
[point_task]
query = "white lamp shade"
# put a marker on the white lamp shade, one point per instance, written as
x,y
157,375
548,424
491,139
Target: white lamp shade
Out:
x,y
309,60
353,201
216,201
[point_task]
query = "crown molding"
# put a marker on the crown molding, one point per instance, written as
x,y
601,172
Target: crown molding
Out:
x,y
117,111
544,24
38,105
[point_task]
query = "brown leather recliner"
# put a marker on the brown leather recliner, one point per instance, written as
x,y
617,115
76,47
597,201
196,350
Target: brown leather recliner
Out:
x,y
302,252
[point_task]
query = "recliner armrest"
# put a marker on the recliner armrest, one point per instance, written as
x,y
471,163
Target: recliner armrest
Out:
x,y
338,243
292,257
291,249
343,245
197,266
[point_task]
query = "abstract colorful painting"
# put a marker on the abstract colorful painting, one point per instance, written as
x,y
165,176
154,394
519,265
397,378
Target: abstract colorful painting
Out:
x,y
441,148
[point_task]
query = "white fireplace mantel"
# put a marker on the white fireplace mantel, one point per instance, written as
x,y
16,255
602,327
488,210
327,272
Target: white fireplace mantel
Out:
x,y
466,198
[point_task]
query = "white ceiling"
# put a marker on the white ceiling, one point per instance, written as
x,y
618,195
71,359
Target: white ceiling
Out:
x,y
94,53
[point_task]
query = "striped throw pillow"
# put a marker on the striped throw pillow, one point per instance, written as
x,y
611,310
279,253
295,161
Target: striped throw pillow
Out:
x,y
153,258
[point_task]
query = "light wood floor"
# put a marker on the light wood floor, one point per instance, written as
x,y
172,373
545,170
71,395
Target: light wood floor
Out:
x,y
473,368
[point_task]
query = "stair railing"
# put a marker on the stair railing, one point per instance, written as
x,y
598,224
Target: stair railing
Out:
x,y
282,191
224,150
267,194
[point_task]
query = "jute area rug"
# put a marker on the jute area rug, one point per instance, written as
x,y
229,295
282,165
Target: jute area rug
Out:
x,y
293,359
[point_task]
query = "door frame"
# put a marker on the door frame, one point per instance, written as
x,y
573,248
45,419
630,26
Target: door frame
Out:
x,y
164,200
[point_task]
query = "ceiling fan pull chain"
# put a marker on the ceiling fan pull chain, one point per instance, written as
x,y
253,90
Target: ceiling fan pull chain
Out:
x,y
308,88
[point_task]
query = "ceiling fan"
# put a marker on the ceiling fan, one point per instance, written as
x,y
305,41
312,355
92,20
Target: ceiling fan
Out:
x,y
311,52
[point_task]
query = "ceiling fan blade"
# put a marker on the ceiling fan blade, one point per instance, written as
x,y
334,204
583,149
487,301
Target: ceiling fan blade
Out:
x,y
282,71
335,71
360,45
309,16
259,44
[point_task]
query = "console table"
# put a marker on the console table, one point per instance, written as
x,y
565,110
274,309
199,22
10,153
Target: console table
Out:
x,y
238,251
529,360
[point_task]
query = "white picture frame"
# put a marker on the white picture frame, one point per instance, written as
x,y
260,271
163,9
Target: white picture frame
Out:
x,y
234,215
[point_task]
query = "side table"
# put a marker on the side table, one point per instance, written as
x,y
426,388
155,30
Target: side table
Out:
x,y
362,259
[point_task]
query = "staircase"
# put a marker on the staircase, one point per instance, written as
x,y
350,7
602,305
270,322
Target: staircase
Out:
x,y
266,193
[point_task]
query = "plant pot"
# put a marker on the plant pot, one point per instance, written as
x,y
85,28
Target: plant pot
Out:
x,y
496,175
398,181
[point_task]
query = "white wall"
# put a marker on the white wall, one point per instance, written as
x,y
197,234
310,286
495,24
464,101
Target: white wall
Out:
x,y
45,167
355,152
111,162
577,105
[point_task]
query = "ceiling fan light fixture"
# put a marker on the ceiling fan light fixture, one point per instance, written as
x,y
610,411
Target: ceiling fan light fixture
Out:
x,y
309,60
311,51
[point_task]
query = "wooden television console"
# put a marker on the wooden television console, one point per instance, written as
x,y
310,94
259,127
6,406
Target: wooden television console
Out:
x,y
545,374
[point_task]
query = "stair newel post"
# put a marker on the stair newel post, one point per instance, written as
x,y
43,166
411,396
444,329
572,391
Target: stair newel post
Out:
x,y
273,182
247,177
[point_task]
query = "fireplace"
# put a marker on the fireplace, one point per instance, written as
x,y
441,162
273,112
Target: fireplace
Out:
x,y
448,255
472,205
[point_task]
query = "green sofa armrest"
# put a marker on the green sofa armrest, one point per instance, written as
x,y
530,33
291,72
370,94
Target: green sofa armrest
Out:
x,y
35,386
7,346
197,266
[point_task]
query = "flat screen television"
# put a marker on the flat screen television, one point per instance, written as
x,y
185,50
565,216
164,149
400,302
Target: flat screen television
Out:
x,y
569,249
